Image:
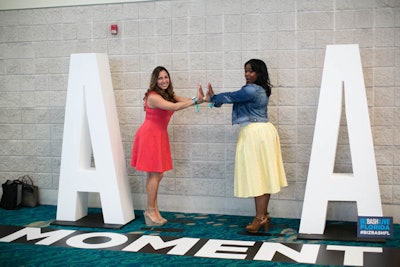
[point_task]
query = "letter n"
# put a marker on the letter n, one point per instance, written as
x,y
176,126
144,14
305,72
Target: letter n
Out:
x,y
342,78
91,127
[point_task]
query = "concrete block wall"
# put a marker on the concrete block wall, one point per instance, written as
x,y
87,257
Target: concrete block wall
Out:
x,y
200,41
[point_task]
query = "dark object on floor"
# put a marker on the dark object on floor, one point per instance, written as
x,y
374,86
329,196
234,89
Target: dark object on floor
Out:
x,y
12,195
30,192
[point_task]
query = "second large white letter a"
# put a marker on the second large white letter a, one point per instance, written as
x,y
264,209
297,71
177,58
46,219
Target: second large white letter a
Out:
x,y
342,69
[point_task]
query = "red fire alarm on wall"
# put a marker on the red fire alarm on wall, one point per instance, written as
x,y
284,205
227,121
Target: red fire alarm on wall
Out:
x,y
114,29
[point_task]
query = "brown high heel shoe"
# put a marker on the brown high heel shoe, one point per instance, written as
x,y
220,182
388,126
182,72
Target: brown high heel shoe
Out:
x,y
267,224
257,223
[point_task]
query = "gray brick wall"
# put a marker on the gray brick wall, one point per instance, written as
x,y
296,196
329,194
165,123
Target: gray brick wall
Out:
x,y
199,41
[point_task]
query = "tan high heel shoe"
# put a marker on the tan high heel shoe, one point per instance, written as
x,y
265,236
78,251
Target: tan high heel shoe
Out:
x,y
258,223
149,221
162,218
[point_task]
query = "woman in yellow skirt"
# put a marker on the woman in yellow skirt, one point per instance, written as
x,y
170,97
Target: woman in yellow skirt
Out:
x,y
259,170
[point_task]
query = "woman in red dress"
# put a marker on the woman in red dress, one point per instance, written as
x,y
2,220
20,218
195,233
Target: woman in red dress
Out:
x,y
151,150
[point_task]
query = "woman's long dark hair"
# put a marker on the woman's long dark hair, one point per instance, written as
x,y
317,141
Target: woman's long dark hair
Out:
x,y
261,69
168,94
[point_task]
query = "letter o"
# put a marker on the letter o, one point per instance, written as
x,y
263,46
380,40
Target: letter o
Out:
x,y
79,240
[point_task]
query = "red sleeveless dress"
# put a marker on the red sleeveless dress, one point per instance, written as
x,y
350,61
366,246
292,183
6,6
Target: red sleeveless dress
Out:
x,y
151,150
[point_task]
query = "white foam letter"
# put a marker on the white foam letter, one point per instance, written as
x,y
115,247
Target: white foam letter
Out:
x,y
342,68
91,124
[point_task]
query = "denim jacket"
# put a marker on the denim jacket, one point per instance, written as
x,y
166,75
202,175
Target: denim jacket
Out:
x,y
250,104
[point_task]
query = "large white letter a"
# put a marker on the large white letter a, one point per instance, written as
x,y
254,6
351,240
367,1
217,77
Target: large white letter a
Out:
x,y
91,125
342,69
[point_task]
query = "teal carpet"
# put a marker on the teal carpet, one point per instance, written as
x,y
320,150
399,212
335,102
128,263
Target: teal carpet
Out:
x,y
206,226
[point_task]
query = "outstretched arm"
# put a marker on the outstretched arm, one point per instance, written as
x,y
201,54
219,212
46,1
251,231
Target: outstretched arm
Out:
x,y
244,94
156,101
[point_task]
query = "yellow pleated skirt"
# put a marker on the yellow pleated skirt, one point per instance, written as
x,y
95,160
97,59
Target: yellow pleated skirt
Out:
x,y
258,165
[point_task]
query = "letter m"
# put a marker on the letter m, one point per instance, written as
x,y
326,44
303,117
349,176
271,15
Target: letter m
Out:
x,y
32,233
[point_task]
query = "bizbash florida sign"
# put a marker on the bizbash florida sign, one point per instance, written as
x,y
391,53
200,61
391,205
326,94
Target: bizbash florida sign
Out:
x,y
200,247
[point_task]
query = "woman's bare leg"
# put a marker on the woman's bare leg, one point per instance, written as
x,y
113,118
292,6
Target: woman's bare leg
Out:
x,y
152,184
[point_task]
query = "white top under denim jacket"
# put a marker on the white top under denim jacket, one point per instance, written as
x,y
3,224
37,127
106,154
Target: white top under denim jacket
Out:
x,y
250,104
